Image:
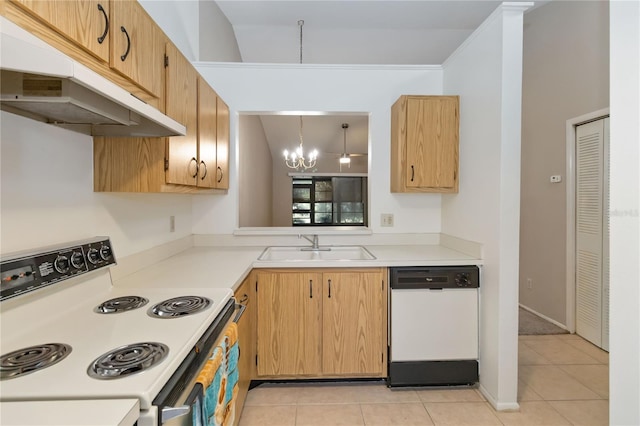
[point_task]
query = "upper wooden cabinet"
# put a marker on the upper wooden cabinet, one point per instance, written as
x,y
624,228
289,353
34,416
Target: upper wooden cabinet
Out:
x,y
200,158
137,45
182,106
119,40
196,163
213,138
222,145
207,135
85,22
321,323
424,144
123,42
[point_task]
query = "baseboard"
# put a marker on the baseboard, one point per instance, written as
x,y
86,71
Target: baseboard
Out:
x,y
498,406
544,317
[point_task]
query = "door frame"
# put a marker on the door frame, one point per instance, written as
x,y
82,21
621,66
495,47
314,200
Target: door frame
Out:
x,y
570,174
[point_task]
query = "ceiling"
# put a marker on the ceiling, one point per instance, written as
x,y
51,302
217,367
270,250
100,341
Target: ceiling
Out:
x,y
347,32
354,31
321,132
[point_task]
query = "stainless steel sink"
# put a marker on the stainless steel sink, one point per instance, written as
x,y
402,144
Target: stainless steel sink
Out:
x,y
289,253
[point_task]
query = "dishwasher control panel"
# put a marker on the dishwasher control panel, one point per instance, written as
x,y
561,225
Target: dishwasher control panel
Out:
x,y
434,277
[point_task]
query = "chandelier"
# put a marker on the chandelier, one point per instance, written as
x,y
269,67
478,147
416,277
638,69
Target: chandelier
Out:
x,y
296,159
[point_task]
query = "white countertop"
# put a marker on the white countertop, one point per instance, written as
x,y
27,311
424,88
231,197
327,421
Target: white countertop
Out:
x,y
104,412
228,266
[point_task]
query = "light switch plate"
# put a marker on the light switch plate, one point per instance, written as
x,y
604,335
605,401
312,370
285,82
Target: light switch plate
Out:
x,y
386,219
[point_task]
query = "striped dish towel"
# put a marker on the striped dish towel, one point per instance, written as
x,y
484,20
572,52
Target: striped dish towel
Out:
x,y
219,378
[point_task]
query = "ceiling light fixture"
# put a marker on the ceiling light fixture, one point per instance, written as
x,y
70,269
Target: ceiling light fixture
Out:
x,y
344,158
295,159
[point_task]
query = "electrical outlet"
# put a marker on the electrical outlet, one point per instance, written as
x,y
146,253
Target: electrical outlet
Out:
x,y
172,224
386,219
529,283
555,179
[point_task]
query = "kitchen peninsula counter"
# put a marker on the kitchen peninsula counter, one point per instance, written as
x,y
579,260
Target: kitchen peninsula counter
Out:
x,y
228,266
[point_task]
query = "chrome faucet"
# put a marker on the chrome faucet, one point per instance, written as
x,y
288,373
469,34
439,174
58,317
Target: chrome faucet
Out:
x,y
313,241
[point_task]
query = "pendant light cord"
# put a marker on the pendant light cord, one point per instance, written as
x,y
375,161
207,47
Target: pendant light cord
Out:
x,y
300,24
300,132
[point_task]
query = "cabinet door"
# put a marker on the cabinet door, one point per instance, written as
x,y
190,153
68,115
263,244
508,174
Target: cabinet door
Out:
x,y
137,49
246,327
207,123
182,106
222,147
289,321
432,142
85,22
353,323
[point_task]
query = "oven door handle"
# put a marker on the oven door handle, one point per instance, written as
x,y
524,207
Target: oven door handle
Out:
x,y
241,308
169,413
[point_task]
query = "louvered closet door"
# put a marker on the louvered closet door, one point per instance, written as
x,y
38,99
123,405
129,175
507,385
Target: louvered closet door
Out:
x,y
591,232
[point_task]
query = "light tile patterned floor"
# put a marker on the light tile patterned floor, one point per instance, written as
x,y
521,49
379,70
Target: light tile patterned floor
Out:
x,y
563,380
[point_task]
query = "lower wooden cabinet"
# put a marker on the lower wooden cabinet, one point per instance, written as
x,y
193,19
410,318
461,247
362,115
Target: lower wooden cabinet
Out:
x,y
244,295
321,323
353,321
289,323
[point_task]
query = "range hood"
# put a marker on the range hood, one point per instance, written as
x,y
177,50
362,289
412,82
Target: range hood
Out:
x,y
40,82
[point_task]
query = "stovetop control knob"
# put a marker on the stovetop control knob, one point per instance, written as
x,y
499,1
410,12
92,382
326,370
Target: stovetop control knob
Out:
x,y
93,256
61,264
77,260
462,279
105,252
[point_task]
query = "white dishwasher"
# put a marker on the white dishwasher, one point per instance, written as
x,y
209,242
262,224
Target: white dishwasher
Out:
x,y
433,326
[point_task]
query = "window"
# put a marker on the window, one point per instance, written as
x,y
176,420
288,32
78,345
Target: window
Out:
x,y
329,201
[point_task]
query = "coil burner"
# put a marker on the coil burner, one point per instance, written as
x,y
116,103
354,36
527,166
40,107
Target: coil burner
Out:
x,y
127,360
32,359
121,304
179,306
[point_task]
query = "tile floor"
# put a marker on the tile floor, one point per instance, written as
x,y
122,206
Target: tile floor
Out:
x,y
563,380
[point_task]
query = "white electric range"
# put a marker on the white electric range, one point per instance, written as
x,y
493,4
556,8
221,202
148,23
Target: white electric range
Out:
x,y
59,341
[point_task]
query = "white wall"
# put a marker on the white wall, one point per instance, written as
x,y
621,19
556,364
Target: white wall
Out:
x,y
217,38
47,195
179,21
198,28
624,340
566,75
336,89
486,71
255,175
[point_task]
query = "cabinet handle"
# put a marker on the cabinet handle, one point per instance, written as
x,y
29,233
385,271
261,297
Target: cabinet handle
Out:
x,y
123,57
329,289
244,300
221,174
193,160
310,289
241,309
106,24
413,173
202,163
